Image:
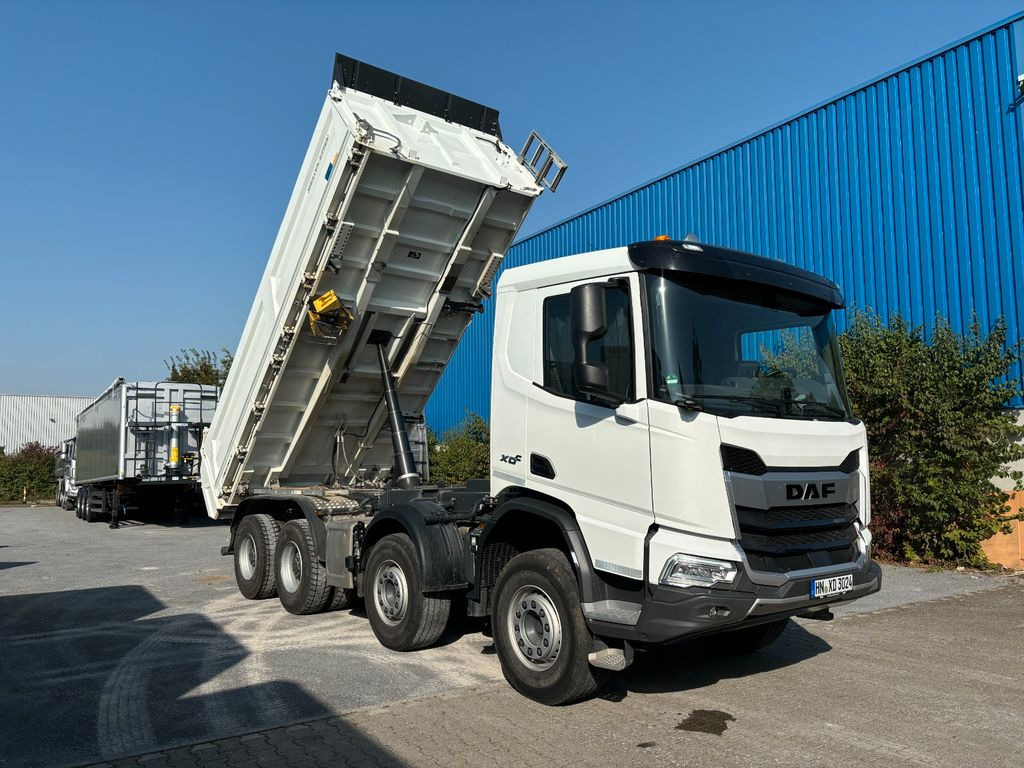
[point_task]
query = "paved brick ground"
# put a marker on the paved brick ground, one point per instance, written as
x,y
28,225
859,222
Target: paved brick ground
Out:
x,y
936,683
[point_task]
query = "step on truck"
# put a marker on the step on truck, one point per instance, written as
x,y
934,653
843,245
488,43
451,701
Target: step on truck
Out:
x,y
672,451
137,449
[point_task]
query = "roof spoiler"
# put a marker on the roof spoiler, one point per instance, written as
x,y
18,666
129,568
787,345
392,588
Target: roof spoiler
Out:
x,y
360,76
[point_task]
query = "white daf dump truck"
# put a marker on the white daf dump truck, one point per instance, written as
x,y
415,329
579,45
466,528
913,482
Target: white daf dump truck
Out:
x,y
672,454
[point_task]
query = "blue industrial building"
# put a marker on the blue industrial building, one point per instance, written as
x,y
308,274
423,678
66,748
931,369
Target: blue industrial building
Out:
x,y
906,191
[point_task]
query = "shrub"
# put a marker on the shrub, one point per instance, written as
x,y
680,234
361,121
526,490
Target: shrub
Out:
x,y
462,454
938,432
32,468
200,366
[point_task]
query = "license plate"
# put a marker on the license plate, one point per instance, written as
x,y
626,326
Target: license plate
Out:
x,y
835,585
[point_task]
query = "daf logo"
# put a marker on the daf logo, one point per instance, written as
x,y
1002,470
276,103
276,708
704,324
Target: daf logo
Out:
x,y
511,459
810,491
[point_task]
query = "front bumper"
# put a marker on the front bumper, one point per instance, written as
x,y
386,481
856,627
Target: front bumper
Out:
x,y
675,613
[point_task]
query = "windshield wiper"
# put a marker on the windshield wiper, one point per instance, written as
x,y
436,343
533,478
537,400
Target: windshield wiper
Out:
x,y
831,410
693,402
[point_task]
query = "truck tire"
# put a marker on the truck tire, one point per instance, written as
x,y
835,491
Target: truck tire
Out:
x,y
255,543
540,634
89,514
341,599
401,616
301,578
751,639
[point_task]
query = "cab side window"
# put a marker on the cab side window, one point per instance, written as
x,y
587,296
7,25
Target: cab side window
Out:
x,y
614,349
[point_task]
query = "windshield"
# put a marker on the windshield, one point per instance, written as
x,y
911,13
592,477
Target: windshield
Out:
x,y
734,348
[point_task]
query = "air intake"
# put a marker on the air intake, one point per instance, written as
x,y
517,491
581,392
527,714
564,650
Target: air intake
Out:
x,y
742,460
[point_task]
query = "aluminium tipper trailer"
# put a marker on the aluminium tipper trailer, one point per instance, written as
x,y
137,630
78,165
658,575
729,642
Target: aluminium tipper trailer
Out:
x,y
654,474
137,446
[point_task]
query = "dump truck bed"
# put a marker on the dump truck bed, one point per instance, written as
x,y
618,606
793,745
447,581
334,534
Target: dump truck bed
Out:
x,y
405,215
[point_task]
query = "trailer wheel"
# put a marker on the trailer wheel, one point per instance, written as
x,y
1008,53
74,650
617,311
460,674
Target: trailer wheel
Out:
x,y
301,577
255,542
540,634
401,616
89,514
751,639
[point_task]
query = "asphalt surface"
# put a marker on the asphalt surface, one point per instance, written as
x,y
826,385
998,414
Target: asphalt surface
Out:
x,y
133,645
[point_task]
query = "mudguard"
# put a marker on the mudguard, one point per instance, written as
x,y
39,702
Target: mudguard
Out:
x,y
438,542
565,521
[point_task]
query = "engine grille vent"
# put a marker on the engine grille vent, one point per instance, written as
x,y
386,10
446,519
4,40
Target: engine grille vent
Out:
x,y
747,462
851,463
742,460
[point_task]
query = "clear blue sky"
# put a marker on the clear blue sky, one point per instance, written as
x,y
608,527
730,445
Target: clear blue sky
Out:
x,y
147,150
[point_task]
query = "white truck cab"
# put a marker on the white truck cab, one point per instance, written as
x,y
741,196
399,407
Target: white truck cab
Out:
x,y
672,449
714,481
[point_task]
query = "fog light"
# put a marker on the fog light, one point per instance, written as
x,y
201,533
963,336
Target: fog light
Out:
x,y
689,571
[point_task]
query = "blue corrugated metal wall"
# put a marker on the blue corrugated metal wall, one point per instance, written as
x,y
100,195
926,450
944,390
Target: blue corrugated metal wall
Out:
x,y
906,191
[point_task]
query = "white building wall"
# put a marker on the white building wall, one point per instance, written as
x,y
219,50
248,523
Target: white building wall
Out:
x,y
48,419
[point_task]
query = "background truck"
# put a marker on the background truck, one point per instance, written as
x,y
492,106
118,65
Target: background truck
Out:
x,y
672,450
137,447
64,471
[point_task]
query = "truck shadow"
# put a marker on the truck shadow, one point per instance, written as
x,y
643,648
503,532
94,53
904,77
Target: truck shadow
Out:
x,y
98,674
165,519
695,664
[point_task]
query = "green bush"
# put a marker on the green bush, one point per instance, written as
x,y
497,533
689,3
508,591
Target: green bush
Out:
x,y
462,454
938,432
31,468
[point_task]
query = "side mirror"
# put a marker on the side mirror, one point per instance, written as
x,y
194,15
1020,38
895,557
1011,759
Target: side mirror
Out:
x,y
589,322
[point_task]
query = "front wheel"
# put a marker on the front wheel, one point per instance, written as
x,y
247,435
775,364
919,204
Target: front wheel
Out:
x,y
401,616
540,634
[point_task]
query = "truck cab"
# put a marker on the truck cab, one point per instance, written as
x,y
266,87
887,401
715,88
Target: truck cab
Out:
x,y
686,404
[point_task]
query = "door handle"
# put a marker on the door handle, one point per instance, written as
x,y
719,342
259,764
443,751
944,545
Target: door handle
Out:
x,y
628,412
541,466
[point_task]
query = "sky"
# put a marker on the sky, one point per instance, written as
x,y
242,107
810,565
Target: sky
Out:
x,y
147,150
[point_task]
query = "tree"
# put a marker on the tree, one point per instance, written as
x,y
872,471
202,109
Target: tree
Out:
x,y
938,432
462,454
28,470
200,366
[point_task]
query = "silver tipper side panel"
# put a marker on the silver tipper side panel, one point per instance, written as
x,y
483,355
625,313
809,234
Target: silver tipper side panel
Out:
x,y
125,433
405,217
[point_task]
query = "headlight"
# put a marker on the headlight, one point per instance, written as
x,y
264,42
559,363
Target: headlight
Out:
x,y
690,571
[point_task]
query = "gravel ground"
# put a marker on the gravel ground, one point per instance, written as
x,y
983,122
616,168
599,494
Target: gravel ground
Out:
x,y
122,643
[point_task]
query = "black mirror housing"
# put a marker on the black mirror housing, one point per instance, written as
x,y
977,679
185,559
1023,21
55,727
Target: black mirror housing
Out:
x,y
589,322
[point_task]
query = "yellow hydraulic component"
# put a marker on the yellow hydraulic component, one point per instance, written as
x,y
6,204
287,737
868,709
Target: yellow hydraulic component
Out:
x,y
327,303
328,317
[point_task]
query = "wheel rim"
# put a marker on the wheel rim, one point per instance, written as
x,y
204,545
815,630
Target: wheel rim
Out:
x,y
391,593
534,626
291,567
247,557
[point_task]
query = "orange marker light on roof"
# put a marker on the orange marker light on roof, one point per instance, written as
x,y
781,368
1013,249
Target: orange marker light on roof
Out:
x,y
662,237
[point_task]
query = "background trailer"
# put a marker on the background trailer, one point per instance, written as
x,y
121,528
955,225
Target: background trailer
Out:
x,y
138,446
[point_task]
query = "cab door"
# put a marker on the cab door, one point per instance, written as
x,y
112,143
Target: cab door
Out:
x,y
595,458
